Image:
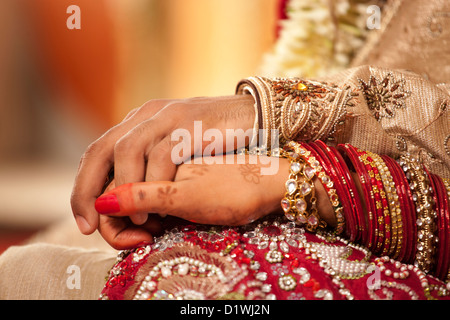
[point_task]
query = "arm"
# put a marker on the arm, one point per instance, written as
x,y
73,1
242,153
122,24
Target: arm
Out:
x,y
386,111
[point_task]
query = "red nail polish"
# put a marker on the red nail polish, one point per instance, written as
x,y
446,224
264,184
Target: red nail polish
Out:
x,y
107,204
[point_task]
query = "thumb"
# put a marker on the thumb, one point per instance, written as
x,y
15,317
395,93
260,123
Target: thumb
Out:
x,y
140,197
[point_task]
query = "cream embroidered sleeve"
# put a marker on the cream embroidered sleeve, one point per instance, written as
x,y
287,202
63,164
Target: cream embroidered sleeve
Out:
x,y
385,111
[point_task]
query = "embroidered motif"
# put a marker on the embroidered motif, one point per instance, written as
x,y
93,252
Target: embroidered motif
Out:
x,y
384,96
400,143
447,145
298,89
308,110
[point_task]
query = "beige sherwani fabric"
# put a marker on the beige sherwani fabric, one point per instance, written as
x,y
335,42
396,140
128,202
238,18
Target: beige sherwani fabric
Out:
x,y
53,272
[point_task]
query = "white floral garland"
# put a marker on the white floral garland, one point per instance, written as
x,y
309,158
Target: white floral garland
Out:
x,y
318,37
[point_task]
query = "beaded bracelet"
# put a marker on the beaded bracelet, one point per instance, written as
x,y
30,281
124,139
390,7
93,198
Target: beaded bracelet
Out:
x,y
420,184
443,254
376,184
311,157
298,187
332,169
350,152
392,199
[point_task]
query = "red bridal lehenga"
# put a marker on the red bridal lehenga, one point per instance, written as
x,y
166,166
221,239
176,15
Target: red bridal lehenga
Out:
x,y
387,121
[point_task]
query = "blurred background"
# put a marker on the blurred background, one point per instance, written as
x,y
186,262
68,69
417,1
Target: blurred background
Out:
x,y
61,88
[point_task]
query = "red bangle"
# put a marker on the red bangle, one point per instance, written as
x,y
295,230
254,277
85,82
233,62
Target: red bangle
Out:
x,y
349,186
392,205
330,187
356,198
446,207
349,151
331,170
381,204
441,200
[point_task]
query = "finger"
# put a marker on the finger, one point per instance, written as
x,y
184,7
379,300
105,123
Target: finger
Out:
x,y
161,163
94,166
130,156
130,152
88,185
161,197
121,234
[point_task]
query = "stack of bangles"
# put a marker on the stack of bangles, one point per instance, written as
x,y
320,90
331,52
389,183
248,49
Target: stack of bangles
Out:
x,y
400,209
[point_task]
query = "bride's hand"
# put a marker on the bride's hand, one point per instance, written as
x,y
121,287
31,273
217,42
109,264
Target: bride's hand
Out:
x,y
225,194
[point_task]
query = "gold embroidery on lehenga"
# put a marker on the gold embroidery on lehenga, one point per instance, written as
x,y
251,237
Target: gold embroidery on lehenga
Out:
x,y
185,271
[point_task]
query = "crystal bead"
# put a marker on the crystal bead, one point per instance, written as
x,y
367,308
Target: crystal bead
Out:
x,y
309,172
301,219
263,245
312,220
262,276
284,246
419,222
295,167
301,205
305,189
273,245
290,216
285,204
291,186
326,179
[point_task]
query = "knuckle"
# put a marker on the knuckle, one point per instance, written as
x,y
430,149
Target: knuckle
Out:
x,y
124,145
154,105
161,151
93,149
131,113
178,110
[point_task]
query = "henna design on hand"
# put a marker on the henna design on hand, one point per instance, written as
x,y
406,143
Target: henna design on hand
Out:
x,y
166,193
251,173
198,170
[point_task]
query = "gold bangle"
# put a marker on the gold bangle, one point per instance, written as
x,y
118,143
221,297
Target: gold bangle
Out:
x,y
426,215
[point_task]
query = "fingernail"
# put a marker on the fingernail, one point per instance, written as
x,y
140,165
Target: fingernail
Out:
x,y
82,224
139,218
144,243
107,204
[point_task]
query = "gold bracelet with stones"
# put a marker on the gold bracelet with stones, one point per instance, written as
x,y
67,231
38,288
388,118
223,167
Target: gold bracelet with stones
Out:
x,y
300,203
